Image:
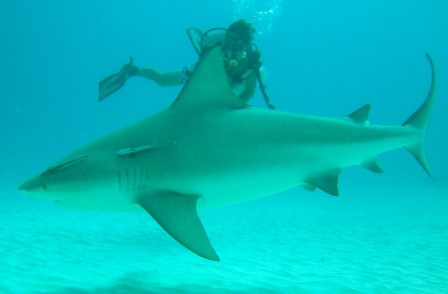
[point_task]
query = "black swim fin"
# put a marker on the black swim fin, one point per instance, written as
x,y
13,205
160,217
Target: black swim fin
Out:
x,y
113,83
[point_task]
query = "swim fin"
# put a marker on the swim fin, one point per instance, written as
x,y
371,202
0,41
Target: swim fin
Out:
x,y
113,83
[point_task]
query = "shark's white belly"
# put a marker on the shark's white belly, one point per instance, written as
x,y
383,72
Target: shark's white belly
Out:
x,y
241,185
222,178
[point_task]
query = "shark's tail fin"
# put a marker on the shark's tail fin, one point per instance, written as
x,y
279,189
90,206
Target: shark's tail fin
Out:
x,y
419,120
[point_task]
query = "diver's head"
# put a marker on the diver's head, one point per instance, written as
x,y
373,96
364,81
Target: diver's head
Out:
x,y
240,35
238,43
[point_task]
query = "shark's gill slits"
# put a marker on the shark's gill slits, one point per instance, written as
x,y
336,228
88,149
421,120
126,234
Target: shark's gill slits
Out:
x,y
132,179
143,179
127,179
134,182
140,179
119,180
64,165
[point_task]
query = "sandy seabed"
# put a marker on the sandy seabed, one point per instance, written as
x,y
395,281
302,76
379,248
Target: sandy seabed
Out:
x,y
290,243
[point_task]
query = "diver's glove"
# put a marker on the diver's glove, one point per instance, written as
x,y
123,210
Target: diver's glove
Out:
x,y
130,69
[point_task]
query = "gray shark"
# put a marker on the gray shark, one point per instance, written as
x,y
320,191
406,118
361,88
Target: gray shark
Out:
x,y
210,149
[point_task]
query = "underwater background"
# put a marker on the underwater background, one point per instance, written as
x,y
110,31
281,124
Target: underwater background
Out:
x,y
385,234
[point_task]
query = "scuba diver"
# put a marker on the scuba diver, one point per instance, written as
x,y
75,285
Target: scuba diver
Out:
x,y
241,57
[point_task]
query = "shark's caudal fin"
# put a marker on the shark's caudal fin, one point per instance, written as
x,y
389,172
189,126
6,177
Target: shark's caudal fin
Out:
x,y
419,120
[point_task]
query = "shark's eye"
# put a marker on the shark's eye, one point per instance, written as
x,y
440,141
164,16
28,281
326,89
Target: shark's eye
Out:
x,y
63,165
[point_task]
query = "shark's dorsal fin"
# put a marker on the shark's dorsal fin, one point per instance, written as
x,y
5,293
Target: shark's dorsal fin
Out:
x,y
176,214
361,115
209,85
327,182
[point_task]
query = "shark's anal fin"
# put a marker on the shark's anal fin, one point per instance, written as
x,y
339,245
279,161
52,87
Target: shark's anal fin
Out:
x,y
373,166
308,187
177,215
327,182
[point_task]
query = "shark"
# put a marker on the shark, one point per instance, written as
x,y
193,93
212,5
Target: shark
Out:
x,y
210,149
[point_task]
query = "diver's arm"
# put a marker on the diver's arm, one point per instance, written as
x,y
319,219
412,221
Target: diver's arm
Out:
x,y
162,79
250,84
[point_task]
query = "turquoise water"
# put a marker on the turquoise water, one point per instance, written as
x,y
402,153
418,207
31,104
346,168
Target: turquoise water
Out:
x,y
384,234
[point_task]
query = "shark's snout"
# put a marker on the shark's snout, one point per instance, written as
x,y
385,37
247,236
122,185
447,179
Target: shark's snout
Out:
x,y
31,186
24,187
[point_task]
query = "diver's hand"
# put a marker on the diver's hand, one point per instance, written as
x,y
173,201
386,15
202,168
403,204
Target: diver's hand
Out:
x,y
130,69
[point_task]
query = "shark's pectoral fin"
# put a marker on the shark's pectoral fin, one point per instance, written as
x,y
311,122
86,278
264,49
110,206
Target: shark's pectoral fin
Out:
x,y
327,182
176,214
